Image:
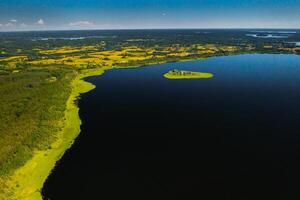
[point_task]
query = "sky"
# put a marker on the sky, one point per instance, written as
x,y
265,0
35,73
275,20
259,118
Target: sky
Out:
x,y
20,15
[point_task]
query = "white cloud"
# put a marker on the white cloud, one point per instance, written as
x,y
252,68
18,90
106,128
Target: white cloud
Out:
x,y
1,25
82,24
9,24
13,21
164,14
40,22
23,25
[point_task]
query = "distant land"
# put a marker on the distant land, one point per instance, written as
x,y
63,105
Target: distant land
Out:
x,y
41,79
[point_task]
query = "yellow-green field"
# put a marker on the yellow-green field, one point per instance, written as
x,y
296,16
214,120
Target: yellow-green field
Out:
x,y
84,57
180,74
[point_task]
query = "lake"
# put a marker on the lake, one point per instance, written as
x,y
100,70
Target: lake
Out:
x,y
235,136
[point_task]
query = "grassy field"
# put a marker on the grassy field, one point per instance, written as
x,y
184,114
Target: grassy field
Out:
x,y
85,57
180,74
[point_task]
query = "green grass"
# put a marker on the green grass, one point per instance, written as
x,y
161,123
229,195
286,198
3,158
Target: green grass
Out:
x,y
180,74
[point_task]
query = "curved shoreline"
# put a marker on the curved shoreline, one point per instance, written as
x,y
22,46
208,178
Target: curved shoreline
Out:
x,y
26,182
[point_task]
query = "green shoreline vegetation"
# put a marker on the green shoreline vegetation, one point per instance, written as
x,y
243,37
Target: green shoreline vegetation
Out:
x,y
40,81
181,74
26,182
52,93
22,175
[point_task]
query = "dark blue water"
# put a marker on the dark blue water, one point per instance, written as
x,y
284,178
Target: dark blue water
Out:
x,y
235,136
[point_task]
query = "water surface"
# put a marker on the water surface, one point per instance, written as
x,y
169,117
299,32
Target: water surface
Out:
x,y
235,136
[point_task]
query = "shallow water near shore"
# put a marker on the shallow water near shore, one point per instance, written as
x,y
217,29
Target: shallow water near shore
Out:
x,y
235,136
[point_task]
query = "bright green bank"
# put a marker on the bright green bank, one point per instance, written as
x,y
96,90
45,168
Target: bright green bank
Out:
x,y
26,182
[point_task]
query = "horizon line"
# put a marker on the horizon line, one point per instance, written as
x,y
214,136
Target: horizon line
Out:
x,y
116,29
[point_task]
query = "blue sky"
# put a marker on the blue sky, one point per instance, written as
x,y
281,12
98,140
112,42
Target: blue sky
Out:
x,y
123,14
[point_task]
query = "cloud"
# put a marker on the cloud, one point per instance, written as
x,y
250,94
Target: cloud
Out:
x,y
9,24
82,24
40,22
23,25
164,14
13,21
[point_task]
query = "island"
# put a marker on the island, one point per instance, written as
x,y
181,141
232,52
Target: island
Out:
x,y
181,74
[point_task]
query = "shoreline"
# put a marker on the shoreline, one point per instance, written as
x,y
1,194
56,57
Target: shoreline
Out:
x,y
27,182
